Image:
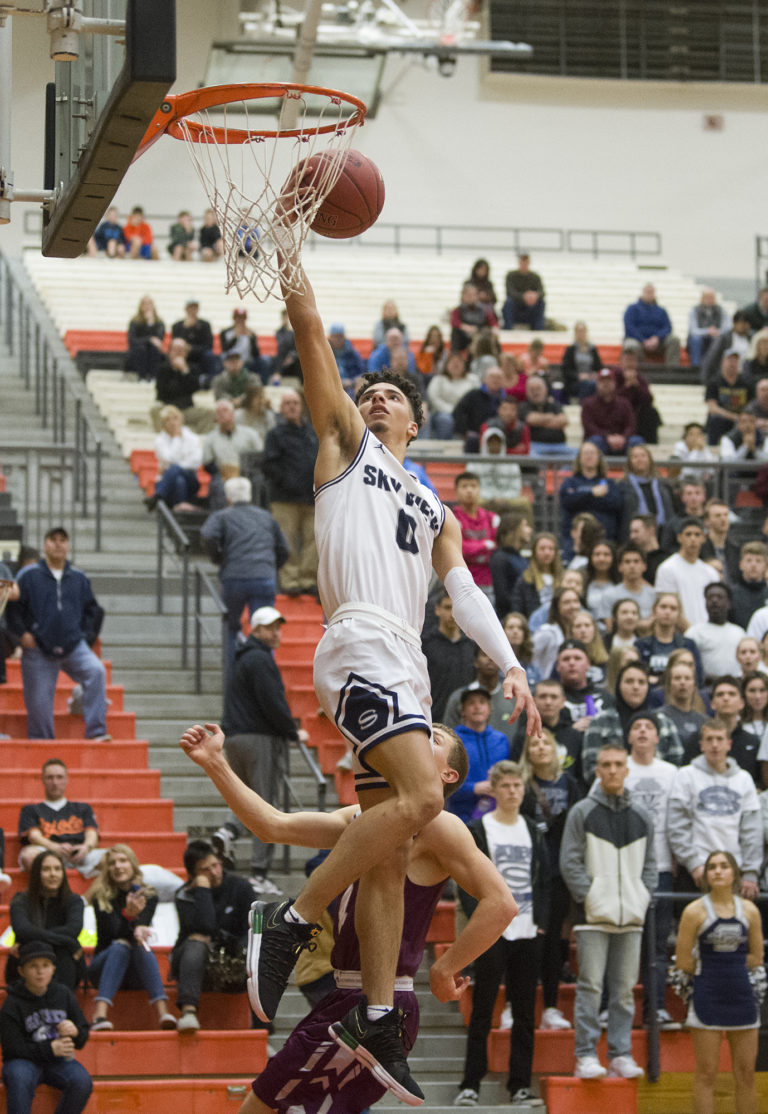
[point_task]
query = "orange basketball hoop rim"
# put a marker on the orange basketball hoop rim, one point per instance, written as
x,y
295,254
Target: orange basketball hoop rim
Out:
x,y
176,107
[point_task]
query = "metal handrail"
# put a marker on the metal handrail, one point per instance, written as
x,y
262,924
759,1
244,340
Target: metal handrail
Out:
x,y
58,392
204,578
167,526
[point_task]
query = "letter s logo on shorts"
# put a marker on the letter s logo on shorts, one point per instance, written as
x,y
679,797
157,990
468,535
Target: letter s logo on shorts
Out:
x,y
367,720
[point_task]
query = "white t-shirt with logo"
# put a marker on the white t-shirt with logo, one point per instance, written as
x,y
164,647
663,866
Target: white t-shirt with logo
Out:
x,y
511,852
650,787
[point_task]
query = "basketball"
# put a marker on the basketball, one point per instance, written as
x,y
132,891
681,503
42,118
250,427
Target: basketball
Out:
x,y
355,201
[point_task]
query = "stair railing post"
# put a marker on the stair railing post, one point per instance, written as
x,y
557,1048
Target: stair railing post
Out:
x,y
184,607
97,494
159,587
652,1064
198,634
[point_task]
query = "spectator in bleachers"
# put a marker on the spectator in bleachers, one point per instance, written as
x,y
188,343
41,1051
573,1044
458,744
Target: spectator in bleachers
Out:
x,y
179,454
500,480
648,329
484,352
682,702
211,242
249,547
259,727
57,620
585,532
285,363
664,637
476,406
138,236
124,906
478,530
642,491
469,317
726,397
239,338
749,587
533,361
256,411
580,365
234,380
213,908
197,332
720,548
633,386
624,619
48,910
759,404
507,562
480,276
602,573
430,359
525,303
727,705
176,384
565,606
693,497
484,746
642,531
182,244
556,721
390,319
514,843
583,698
589,489
146,336
350,363
717,638
756,364
289,462
516,433
608,421
693,448
514,379
382,356
706,322
41,1027
584,627
446,388
737,338
108,237
748,657
225,450
449,654
545,419
486,677
518,634
68,828
633,585
756,312
539,582
686,574
745,441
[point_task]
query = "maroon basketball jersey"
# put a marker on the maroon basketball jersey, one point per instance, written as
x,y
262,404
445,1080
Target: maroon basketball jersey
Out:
x,y
420,902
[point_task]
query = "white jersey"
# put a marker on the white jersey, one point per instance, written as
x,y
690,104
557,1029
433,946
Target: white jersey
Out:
x,y
375,525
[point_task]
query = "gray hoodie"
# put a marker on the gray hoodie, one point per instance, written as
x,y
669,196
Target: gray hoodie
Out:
x,y
709,811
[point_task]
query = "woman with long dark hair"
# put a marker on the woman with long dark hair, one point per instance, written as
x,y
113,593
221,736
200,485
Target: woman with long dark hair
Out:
x,y
589,489
48,911
547,639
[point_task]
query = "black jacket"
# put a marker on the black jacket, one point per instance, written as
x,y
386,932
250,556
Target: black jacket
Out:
x,y
174,387
111,925
255,702
59,613
748,596
289,462
28,1022
212,912
540,871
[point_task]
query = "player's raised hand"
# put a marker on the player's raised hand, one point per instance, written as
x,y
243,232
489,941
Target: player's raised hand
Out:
x,y
202,744
516,687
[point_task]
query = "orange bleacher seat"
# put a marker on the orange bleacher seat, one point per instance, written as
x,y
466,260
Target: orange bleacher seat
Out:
x,y
113,814
143,463
85,785
20,752
12,698
163,848
13,670
149,1096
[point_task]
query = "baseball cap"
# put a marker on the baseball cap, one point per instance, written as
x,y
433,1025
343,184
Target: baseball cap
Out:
x,y
265,616
240,313
572,644
233,354
732,352
605,373
474,690
35,949
337,330
191,302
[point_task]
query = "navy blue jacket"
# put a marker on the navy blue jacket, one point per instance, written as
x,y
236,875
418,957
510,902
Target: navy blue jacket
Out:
x,y
59,613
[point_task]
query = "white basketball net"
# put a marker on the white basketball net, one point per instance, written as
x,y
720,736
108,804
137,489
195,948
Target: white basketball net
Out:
x,y
246,182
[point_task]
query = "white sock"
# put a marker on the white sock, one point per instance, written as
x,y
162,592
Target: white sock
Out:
x,y
375,1013
292,917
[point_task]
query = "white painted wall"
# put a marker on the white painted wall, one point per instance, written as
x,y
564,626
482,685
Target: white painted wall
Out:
x,y
497,150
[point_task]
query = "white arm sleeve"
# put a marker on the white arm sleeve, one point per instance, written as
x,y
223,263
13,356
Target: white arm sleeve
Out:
x,y
473,612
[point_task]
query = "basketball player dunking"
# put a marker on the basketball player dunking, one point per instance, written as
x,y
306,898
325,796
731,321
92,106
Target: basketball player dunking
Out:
x,y
379,533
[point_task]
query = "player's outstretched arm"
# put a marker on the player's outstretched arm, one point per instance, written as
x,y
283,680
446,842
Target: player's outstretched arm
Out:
x,y
205,746
460,856
473,612
332,411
